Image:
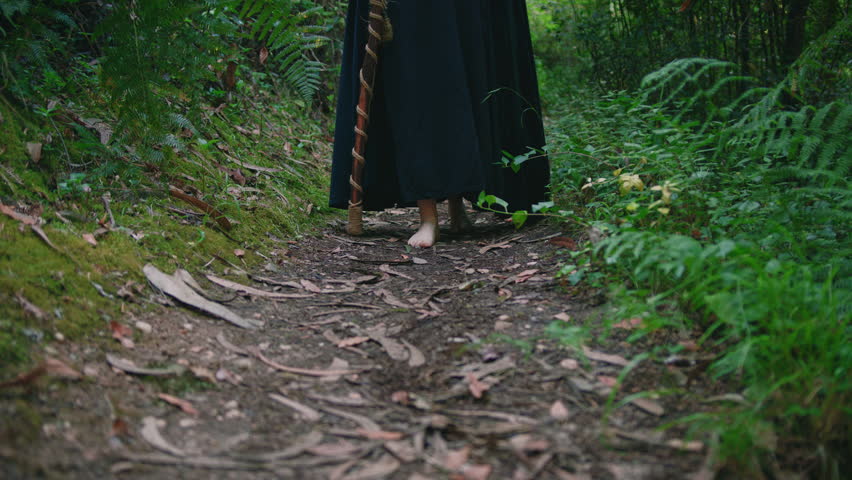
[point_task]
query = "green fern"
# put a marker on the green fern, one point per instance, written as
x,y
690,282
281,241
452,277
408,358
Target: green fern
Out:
x,y
9,8
276,25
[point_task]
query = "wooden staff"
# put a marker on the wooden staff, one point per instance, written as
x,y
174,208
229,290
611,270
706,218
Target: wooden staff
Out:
x,y
376,30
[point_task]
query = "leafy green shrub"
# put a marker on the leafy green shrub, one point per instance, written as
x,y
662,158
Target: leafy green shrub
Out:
x,y
729,212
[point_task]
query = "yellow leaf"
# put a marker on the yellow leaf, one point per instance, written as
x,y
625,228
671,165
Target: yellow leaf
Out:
x,y
664,211
632,207
629,182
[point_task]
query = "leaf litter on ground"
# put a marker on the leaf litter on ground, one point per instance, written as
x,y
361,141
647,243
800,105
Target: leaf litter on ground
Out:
x,y
246,290
176,287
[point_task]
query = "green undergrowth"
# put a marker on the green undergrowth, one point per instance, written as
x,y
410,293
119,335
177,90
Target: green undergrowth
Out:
x,y
222,100
150,226
724,212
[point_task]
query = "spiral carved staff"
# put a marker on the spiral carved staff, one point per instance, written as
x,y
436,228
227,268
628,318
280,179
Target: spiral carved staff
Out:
x,y
378,31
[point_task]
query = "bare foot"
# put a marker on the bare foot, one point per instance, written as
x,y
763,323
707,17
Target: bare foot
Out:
x,y
458,216
427,234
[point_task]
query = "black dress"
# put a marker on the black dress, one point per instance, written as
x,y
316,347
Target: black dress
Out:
x,y
455,88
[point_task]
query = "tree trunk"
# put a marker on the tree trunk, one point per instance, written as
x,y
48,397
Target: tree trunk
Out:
x,y
794,40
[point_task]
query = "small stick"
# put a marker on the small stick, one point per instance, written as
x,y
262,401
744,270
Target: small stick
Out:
x,y
106,197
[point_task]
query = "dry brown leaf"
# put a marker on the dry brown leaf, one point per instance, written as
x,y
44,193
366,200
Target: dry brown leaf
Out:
x,y
304,411
501,325
26,378
57,368
120,428
245,289
481,370
604,357
23,218
225,375
129,367
121,333
525,275
366,423
303,371
262,55
564,242
419,261
184,405
310,286
380,434
607,380
527,443
341,448
239,253
476,472
629,324
352,341
278,283
415,356
151,433
34,149
488,248
689,345
220,337
559,411
387,269
651,406
29,307
563,475
403,450
336,364
353,399
41,234
631,470
455,459
50,367
685,446
563,316
394,349
177,288
391,299
570,364
203,373
382,468
476,387
401,396
90,239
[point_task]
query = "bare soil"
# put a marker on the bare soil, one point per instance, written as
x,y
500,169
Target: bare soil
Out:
x,y
418,364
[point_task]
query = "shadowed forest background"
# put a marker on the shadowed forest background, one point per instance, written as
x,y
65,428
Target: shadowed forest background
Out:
x,y
700,147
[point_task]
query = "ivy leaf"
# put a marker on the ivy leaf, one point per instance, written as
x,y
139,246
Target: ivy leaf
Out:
x,y
577,276
519,218
518,161
542,206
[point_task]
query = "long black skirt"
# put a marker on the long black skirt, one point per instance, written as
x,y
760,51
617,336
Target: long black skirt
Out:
x,y
456,90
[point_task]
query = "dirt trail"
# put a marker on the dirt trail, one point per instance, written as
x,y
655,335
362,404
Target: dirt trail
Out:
x,y
428,364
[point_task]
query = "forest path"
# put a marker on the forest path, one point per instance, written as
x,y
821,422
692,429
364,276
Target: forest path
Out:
x,y
424,364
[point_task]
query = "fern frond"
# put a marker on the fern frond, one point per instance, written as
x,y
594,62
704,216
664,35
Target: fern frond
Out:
x,y
283,31
11,7
182,122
